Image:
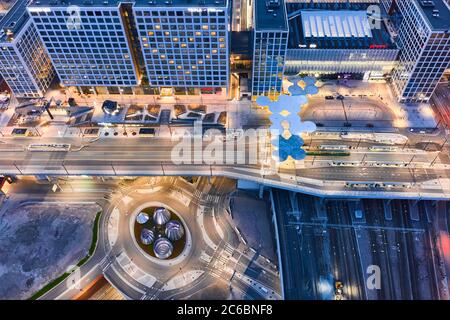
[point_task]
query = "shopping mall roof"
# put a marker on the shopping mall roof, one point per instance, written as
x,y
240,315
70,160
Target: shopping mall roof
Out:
x,y
336,29
336,24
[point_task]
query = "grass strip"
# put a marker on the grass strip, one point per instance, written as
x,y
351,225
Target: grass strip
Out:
x,y
49,286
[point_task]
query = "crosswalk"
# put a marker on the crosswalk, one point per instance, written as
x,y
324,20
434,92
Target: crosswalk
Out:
x,y
209,198
219,267
105,263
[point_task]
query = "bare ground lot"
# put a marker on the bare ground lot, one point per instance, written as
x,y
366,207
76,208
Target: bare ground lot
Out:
x,y
38,242
252,217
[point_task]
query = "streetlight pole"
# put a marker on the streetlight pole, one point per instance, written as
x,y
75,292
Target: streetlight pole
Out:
x,y
404,146
15,165
65,168
364,157
359,142
409,164
432,162
442,146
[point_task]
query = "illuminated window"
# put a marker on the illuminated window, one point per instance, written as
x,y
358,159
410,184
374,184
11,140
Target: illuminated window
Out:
x,y
188,72
194,67
183,45
198,33
214,51
157,27
171,62
191,39
151,33
163,56
175,39
221,39
155,50
204,27
208,56
167,33
144,39
213,33
178,67
200,61
222,45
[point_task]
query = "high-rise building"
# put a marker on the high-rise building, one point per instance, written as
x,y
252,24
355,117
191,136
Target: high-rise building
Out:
x,y
87,43
269,47
185,44
424,41
150,47
24,63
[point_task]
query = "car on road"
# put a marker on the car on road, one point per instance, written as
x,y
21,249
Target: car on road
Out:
x,y
329,98
340,97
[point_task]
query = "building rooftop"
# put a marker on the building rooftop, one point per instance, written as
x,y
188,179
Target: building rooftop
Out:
x,y
337,24
437,13
270,15
336,30
138,3
12,22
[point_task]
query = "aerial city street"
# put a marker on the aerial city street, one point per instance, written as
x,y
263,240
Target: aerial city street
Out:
x,y
225,150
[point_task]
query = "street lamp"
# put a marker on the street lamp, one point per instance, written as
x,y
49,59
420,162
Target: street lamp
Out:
x,y
409,164
432,162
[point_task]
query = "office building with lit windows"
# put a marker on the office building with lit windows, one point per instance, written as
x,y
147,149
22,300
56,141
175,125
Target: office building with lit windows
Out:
x,y
269,47
423,29
24,63
88,44
185,45
141,47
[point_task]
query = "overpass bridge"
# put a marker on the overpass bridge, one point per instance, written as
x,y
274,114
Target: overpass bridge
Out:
x,y
152,157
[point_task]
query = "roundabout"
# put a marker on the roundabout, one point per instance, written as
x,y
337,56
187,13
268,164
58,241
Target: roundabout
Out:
x,y
160,233
172,242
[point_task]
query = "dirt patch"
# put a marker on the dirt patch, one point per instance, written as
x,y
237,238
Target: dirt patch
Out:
x,y
38,242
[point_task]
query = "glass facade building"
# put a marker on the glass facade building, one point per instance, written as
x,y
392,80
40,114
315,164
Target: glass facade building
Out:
x,y
136,46
88,45
185,46
269,47
24,63
424,41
